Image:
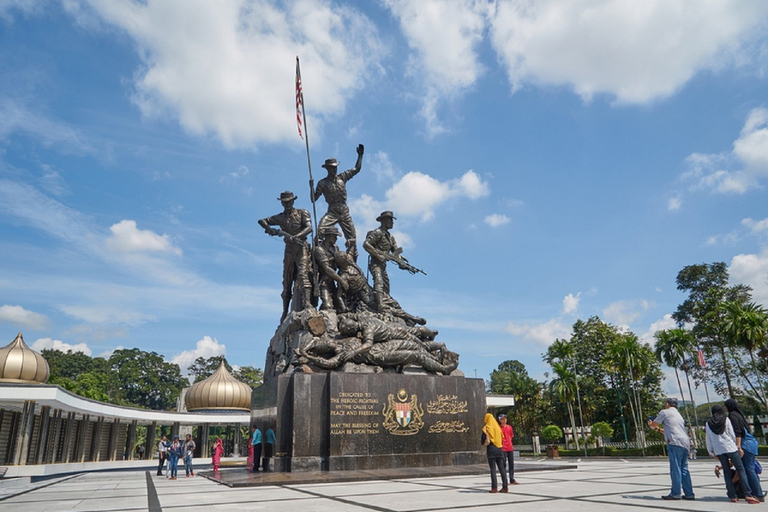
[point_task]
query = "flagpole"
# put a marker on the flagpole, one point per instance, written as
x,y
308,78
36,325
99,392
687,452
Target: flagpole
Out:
x,y
300,101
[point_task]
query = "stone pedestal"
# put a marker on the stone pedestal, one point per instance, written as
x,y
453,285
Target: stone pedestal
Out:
x,y
344,421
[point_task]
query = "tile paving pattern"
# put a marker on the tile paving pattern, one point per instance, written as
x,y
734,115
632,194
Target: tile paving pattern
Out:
x,y
596,485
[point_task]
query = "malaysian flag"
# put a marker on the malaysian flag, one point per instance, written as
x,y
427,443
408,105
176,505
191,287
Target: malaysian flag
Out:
x,y
702,362
299,98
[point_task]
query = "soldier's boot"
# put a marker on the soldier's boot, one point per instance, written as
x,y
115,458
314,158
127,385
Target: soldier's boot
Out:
x,y
381,307
306,297
286,304
351,245
326,300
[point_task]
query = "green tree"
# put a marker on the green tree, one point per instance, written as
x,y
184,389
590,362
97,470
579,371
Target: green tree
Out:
x,y
511,378
603,431
551,434
250,375
584,352
66,365
203,367
707,288
146,379
637,371
671,348
747,325
564,386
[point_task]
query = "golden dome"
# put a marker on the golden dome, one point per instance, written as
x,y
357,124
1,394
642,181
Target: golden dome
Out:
x,y
221,391
19,363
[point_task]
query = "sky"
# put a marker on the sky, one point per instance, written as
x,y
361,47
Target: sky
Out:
x,y
546,161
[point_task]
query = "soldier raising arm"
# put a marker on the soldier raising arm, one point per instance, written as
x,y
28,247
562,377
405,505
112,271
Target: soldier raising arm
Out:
x,y
334,188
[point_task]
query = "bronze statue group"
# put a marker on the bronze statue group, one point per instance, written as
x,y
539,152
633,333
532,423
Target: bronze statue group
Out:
x,y
362,323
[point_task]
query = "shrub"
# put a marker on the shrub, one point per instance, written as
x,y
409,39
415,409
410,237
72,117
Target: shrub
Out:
x,y
602,429
551,434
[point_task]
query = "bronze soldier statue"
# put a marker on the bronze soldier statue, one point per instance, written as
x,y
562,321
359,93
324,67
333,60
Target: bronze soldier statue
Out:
x,y
334,188
382,247
295,225
380,244
429,355
329,279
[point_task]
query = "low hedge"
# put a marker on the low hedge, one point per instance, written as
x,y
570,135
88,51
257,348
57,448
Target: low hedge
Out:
x,y
610,451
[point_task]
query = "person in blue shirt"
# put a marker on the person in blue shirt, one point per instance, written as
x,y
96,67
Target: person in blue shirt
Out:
x,y
174,453
269,447
256,442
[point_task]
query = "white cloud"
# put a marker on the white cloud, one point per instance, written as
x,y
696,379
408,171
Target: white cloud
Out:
x,y
418,195
16,116
545,333
666,322
635,51
752,269
757,227
622,313
49,343
496,219
571,303
106,314
8,6
380,165
752,145
228,68
19,316
127,238
235,175
674,204
31,207
739,170
205,348
444,36
108,353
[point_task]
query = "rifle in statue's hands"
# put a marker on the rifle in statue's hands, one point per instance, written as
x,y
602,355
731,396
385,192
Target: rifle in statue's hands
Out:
x,y
288,236
397,257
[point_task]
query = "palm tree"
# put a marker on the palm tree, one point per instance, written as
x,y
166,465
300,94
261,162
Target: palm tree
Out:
x,y
563,351
565,388
626,357
747,324
671,347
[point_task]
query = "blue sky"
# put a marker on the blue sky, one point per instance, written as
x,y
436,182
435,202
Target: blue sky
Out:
x,y
546,162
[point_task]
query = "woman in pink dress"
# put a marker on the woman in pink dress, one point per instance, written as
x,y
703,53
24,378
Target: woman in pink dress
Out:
x,y
218,449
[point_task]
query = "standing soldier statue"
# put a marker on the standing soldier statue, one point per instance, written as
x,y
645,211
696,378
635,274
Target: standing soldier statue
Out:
x,y
295,224
334,188
328,277
381,247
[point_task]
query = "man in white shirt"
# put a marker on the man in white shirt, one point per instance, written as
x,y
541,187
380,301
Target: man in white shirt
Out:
x,y
162,449
678,444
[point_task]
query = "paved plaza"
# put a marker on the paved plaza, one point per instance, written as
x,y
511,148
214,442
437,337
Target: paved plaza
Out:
x,y
596,485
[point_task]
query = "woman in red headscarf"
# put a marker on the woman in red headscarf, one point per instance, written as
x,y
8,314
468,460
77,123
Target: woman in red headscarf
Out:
x,y
218,449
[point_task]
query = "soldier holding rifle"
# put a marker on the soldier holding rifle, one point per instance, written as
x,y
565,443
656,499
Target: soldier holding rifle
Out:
x,y
295,225
382,247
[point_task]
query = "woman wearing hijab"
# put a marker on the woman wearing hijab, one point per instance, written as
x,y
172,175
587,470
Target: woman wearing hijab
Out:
x,y
218,449
721,443
492,439
747,446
